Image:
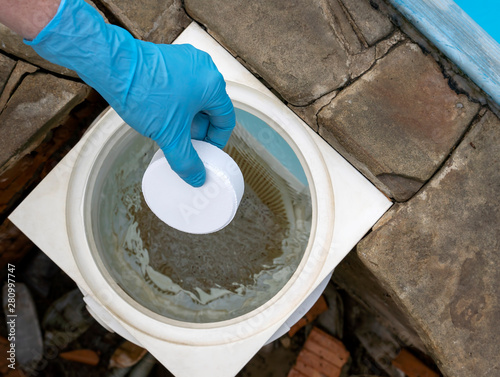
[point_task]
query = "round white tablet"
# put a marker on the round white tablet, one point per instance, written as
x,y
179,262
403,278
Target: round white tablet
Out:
x,y
197,210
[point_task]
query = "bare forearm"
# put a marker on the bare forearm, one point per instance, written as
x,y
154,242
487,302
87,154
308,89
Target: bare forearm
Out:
x,y
27,17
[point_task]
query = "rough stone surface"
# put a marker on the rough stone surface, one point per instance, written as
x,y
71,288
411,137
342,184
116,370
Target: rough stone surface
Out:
x,y
438,256
309,113
400,119
12,43
6,67
362,62
291,44
21,69
16,183
356,279
40,102
341,24
384,46
100,12
372,24
155,21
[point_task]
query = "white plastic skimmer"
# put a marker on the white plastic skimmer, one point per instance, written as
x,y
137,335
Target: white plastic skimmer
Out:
x,y
313,204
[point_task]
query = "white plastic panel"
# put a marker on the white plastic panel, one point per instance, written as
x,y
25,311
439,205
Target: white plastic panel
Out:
x,y
358,205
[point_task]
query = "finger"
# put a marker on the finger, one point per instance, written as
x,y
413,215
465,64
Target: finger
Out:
x,y
199,127
184,160
221,117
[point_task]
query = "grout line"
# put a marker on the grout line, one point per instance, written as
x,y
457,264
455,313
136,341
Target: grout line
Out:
x,y
332,21
354,26
475,120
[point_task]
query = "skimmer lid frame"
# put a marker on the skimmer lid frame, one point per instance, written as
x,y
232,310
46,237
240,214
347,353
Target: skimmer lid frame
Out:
x,y
276,309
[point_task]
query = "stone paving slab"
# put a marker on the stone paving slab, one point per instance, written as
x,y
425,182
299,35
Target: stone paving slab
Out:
x,y
382,48
400,119
20,70
155,21
12,43
304,49
290,44
309,114
372,25
359,65
438,256
340,22
40,102
6,67
354,278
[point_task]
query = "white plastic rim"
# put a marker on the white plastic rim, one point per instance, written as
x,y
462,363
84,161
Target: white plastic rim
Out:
x,y
107,292
196,210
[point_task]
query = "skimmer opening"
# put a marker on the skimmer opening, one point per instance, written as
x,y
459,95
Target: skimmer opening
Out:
x,y
212,277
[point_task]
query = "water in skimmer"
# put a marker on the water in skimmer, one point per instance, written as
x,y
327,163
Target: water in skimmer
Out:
x,y
213,277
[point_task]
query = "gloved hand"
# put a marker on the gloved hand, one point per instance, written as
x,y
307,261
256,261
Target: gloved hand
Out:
x,y
159,90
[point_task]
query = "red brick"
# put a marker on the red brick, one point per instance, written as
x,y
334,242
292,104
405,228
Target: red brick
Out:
x,y
319,307
295,328
412,366
308,370
83,356
322,356
327,354
318,363
327,346
295,373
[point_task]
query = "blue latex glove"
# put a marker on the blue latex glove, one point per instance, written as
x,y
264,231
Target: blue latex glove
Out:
x,y
159,90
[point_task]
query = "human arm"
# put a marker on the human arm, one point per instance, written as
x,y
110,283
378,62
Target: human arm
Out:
x,y
27,17
169,93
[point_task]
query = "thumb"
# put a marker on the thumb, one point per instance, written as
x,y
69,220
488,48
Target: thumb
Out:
x,y
184,160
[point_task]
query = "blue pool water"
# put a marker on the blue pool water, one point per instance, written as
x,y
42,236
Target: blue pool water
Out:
x,y
485,12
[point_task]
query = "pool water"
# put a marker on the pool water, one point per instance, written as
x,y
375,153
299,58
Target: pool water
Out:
x,y
486,13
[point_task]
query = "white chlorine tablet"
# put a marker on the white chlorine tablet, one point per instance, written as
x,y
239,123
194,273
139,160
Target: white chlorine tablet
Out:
x,y
197,210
